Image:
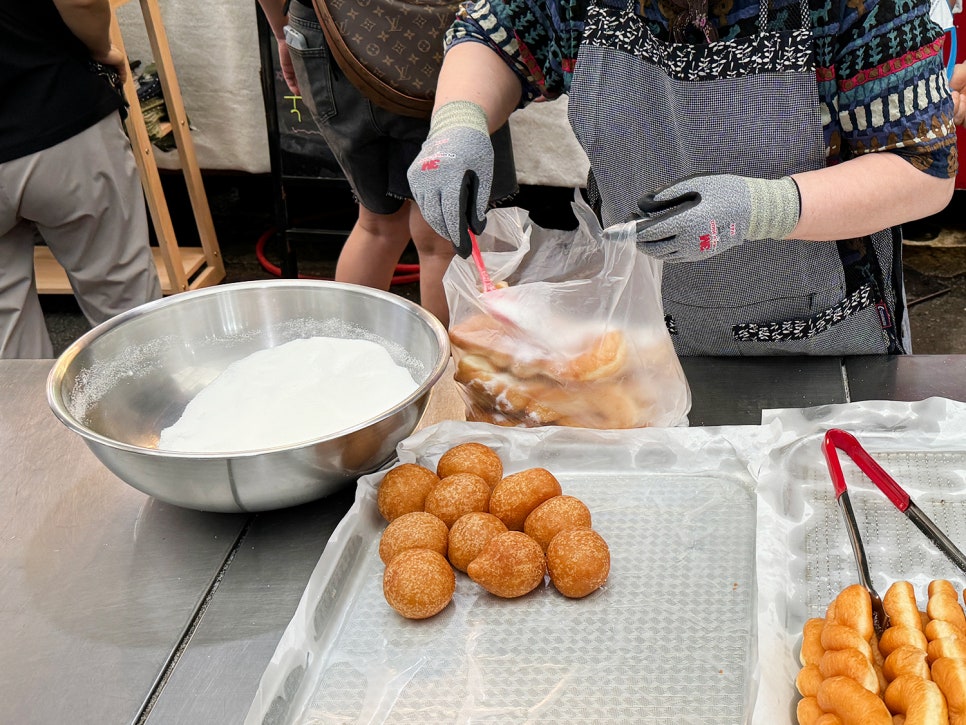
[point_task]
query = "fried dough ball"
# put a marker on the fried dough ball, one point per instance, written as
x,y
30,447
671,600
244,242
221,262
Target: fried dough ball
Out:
x,y
510,565
520,493
403,489
555,515
469,535
418,583
456,495
578,561
471,458
415,530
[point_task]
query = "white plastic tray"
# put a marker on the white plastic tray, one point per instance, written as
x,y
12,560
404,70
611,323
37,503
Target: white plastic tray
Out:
x,y
723,541
669,638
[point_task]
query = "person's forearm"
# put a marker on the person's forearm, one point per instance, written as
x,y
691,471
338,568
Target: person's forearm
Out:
x,y
865,195
474,72
957,85
273,10
90,21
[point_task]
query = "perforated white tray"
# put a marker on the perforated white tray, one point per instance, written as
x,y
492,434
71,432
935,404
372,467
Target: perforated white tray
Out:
x,y
669,639
723,541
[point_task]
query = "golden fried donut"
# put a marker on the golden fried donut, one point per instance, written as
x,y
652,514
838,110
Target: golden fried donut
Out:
x,y
839,636
403,489
510,565
943,604
418,583
480,373
810,676
477,415
852,703
578,561
808,680
493,390
952,647
520,493
919,700
812,649
901,636
456,495
415,530
469,535
899,603
906,660
808,711
941,629
604,357
475,458
853,608
486,336
849,663
950,675
554,515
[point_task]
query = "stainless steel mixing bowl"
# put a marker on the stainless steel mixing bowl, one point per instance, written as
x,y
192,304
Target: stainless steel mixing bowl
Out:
x,y
127,379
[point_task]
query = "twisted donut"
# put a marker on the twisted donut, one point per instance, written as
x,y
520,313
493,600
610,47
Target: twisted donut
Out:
x,y
919,700
950,675
852,703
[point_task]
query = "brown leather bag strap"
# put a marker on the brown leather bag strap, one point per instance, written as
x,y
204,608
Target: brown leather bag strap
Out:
x,y
369,84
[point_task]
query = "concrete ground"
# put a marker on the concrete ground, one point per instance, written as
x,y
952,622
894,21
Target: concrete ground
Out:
x,y
242,209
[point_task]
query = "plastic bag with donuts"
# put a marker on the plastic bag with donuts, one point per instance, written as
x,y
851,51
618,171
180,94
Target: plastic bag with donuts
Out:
x,y
573,335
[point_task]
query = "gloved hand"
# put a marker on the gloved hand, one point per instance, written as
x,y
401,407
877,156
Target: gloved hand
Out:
x,y
453,173
699,217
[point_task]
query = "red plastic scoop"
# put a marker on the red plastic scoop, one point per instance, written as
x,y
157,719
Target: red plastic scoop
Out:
x,y
481,268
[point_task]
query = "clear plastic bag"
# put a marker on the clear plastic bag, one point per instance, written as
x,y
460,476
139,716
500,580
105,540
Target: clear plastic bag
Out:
x,y
574,335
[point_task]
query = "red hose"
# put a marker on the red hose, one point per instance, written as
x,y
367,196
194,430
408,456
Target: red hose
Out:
x,y
405,273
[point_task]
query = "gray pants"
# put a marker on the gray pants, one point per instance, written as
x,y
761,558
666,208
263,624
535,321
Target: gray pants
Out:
x,y
84,198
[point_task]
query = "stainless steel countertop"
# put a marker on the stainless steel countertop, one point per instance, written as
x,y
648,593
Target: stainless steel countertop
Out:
x,y
117,608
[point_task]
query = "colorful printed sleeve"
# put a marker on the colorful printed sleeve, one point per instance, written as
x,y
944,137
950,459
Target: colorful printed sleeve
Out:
x,y
538,39
892,93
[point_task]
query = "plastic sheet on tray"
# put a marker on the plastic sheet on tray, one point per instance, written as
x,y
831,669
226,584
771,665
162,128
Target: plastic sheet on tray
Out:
x,y
723,541
804,555
669,638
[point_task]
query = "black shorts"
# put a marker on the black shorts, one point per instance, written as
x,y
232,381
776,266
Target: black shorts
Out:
x,y
374,147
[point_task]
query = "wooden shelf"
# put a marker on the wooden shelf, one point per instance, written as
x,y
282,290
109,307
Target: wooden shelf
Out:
x,y
180,269
52,279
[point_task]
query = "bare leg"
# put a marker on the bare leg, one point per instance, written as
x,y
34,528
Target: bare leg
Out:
x,y
435,254
370,254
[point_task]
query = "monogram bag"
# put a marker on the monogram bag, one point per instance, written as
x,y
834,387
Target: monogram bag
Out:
x,y
391,50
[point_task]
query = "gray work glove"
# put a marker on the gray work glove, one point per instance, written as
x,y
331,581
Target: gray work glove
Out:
x,y
453,173
699,217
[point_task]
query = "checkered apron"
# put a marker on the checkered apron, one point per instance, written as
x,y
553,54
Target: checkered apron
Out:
x,y
746,106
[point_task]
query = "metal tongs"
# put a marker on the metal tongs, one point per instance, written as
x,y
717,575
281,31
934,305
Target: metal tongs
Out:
x,y
846,442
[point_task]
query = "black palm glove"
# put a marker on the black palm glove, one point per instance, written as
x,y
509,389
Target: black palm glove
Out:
x,y
703,216
453,173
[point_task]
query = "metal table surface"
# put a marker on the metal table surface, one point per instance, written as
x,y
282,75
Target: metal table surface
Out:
x,y
117,608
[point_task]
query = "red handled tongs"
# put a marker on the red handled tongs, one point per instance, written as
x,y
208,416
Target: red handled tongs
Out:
x,y
846,442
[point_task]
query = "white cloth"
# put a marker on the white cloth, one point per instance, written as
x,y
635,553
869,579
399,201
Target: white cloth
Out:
x,y
216,59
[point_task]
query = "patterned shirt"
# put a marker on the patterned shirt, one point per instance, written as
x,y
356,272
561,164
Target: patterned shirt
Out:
x,y
879,65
